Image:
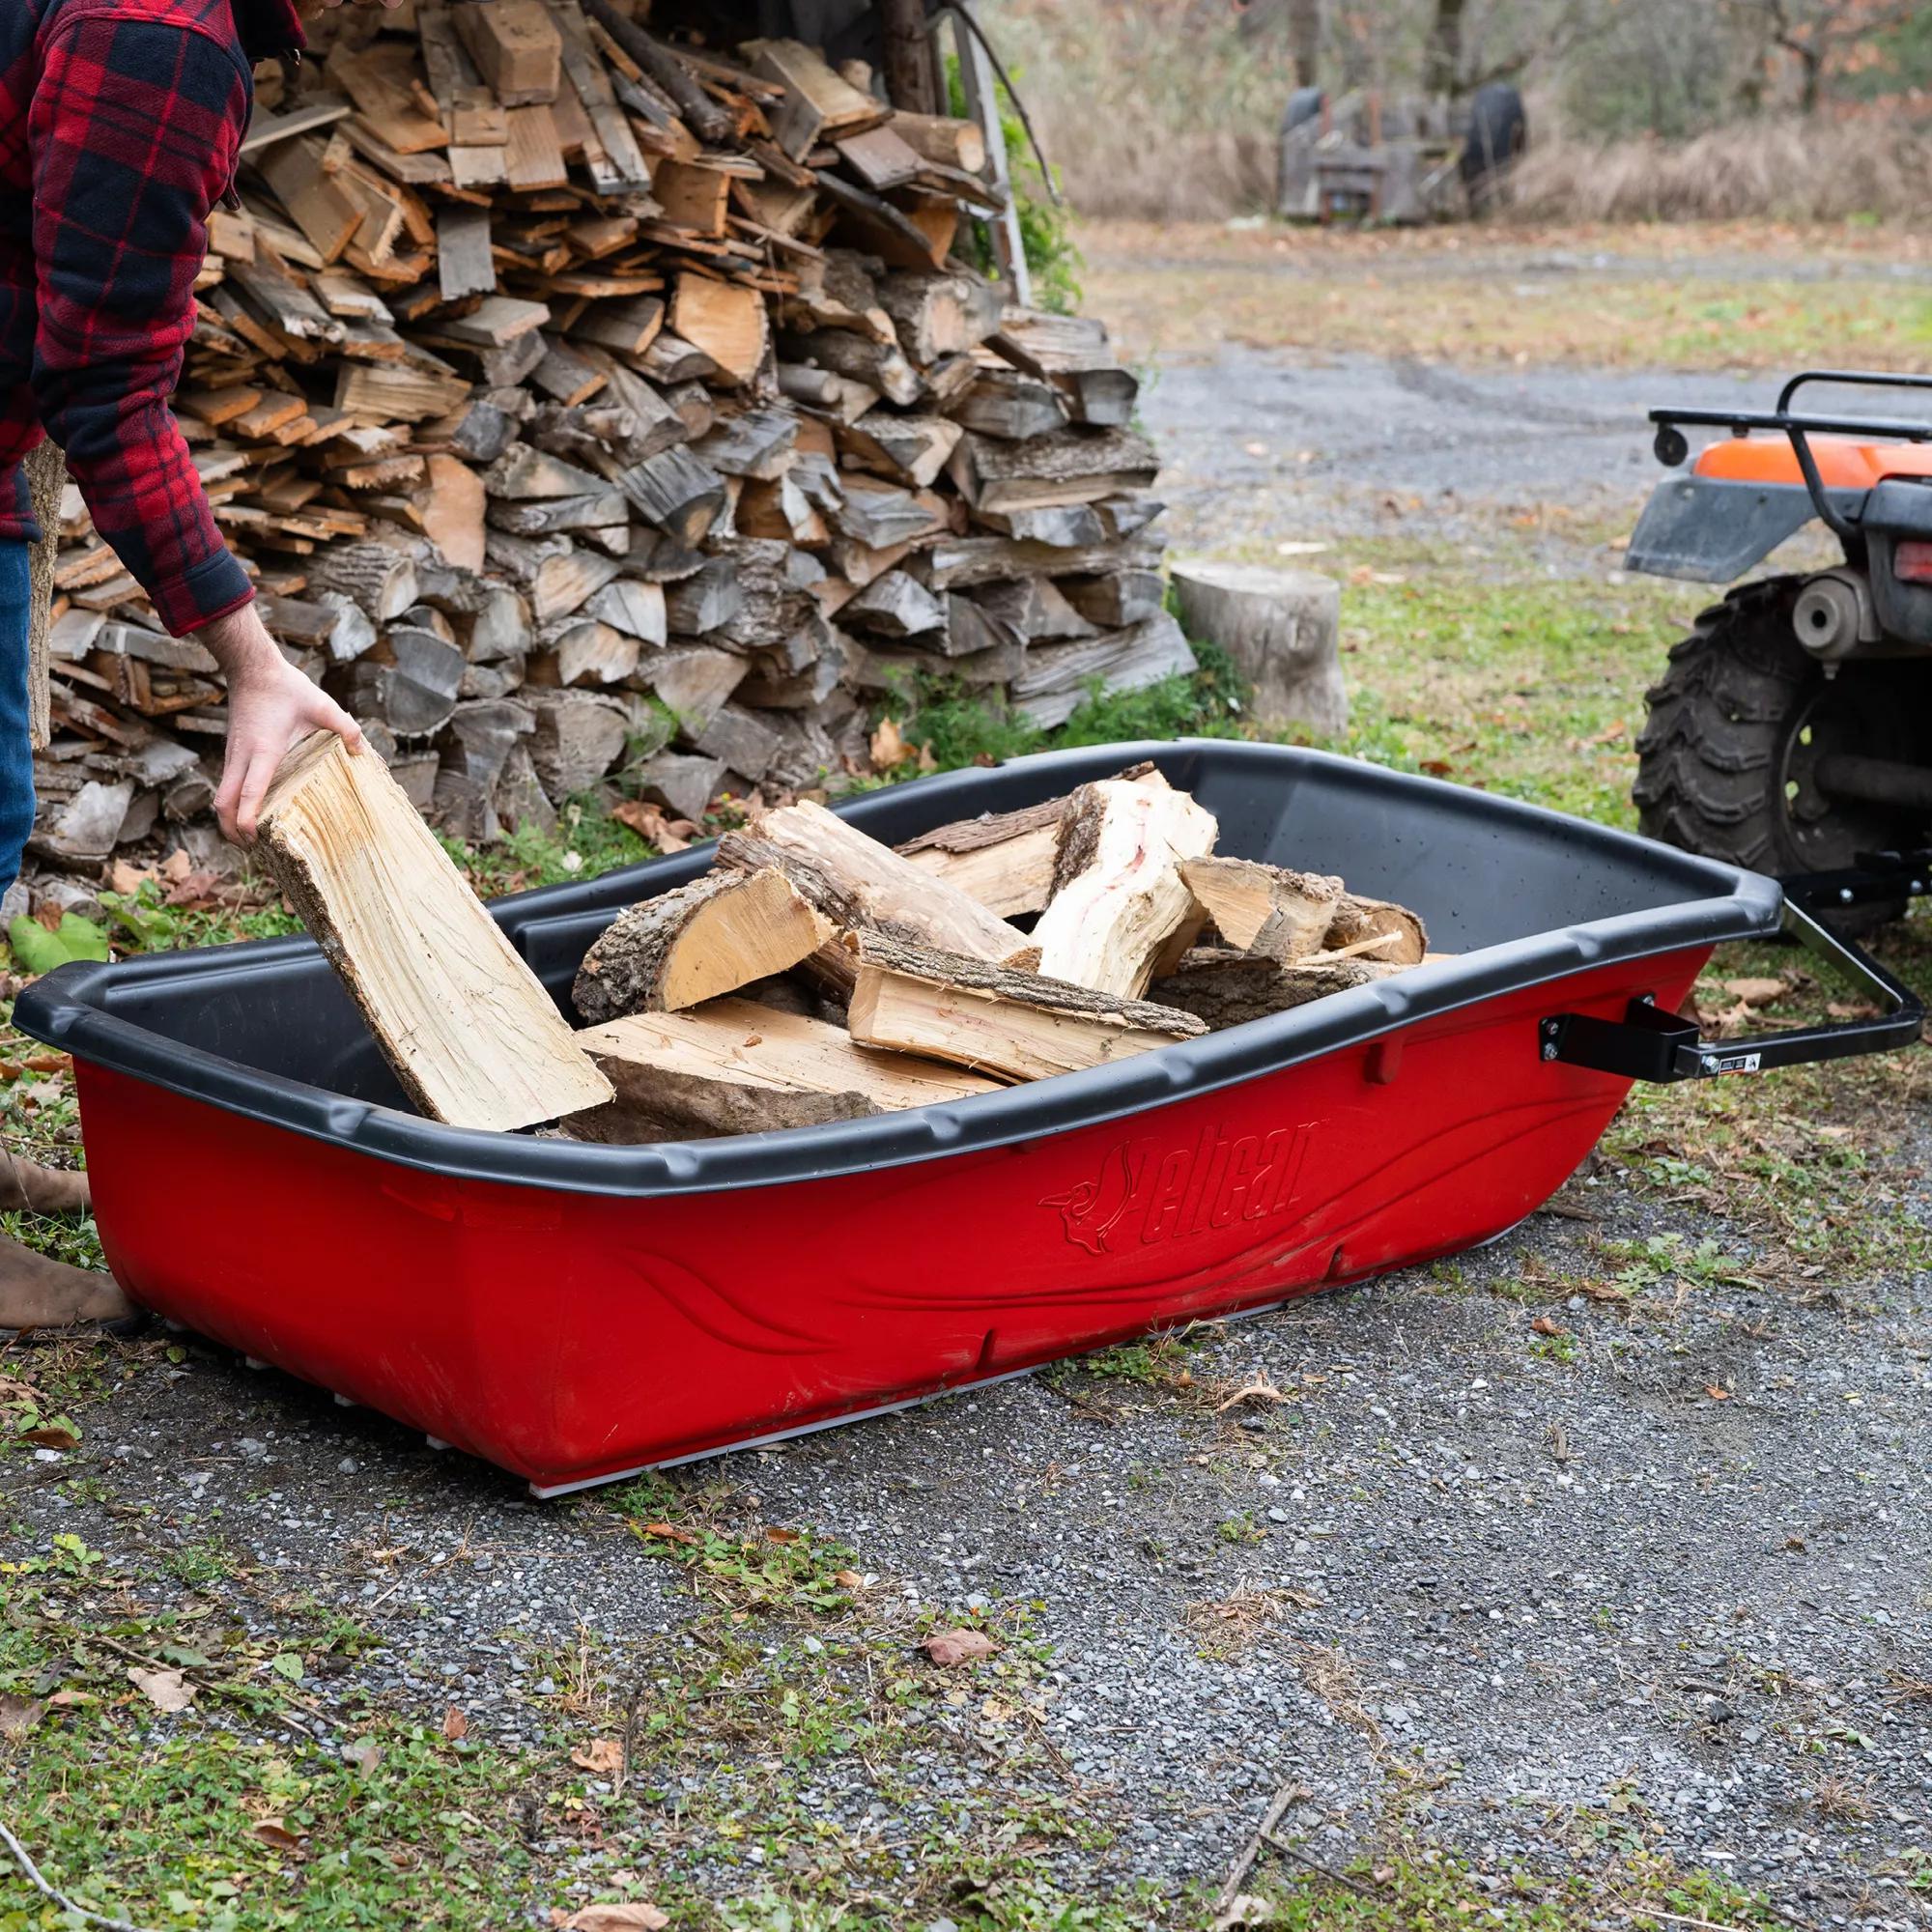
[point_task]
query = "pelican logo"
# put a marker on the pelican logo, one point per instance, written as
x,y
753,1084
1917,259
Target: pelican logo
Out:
x,y
1147,1191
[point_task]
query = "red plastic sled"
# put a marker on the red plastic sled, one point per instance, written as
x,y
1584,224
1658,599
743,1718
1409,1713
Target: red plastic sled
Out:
x,y
575,1313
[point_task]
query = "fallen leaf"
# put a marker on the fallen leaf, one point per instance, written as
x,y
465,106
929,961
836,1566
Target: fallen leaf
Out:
x,y
848,1580
636,1917
273,1831
164,1689
1716,1393
926,761
1261,1389
1545,1324
652,825
126,879
176,866
455,1725
671,1531
365,1754
959,1646
888,747
1245,1908
996,1709
47,1063
1610,733
61,1699
1437,768
781,1535
193,891
20,1714
602,1756
1753,992
51,1437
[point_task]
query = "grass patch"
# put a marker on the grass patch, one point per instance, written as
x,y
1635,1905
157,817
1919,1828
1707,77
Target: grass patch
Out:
x,y
1607,298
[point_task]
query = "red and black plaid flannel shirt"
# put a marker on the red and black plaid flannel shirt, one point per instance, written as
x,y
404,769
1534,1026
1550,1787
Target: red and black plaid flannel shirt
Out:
x,y
120,122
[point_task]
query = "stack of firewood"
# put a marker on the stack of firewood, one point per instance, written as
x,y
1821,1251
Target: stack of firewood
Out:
x,y
594,410
760,995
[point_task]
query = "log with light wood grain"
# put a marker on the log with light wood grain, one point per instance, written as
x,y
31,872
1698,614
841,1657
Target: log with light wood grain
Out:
x,y
1004,859
471,1032
1266,910
1400,937
710,937
992,1018
1226,988
739,1066
889,890
1119,903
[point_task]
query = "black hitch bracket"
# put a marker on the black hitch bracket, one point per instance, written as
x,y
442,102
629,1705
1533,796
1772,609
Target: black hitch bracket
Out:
x,y
1650,1044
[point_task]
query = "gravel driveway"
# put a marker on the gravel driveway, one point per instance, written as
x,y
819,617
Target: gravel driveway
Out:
x,y
1536,1555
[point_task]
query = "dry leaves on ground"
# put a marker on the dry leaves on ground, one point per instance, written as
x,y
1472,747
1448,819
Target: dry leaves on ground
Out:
x,y
164,1689
654,825
959,1646
639,1916
276,1833
1756,992
602,1756
20,1714
455,1725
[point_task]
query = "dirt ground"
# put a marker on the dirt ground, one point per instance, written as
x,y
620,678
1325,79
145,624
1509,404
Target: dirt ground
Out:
x,y
1590,1574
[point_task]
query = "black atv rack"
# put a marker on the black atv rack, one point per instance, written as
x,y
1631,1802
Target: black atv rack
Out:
x,y
1672,446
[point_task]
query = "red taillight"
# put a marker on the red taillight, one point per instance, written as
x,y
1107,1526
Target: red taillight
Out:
x,y
1912,562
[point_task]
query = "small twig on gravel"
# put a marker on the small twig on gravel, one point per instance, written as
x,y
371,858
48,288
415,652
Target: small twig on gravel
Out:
x,y
1685,1917
1264,1833
630,1704
60,1899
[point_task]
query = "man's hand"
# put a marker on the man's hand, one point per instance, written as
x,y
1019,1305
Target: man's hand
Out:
x,y
270,706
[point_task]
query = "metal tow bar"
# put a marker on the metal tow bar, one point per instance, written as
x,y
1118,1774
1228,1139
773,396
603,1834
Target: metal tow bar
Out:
x,y
1648,1044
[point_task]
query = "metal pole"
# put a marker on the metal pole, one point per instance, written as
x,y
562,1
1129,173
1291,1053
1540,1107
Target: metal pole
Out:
x,y
983,104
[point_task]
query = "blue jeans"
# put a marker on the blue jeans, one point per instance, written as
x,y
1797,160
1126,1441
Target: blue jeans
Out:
x,y
16,754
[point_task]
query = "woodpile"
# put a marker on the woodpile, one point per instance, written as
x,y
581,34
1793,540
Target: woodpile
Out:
x,y
838,977
594,410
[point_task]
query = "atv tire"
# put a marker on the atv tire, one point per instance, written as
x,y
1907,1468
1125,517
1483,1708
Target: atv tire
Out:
x,y
1736,728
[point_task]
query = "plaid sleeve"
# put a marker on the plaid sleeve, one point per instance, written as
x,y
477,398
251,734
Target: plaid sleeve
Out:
x,y
134,130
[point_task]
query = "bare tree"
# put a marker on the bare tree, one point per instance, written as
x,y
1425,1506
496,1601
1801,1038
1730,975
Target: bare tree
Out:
x,y
1815,34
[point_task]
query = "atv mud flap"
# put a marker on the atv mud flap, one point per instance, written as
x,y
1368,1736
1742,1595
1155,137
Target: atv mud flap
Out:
x,y
1709,529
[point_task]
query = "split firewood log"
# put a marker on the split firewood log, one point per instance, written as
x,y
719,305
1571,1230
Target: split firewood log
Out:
x,y
992,1018
739,1066
468,1028
1402,940
1226,988
710,937
1263,909
1004,859
1118,901
887,891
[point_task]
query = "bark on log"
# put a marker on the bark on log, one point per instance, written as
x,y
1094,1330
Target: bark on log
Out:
x,y
1226,988
993,1020
702,940
741,1067
889,889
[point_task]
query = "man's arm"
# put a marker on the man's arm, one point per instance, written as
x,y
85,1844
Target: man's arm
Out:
x,y
134,130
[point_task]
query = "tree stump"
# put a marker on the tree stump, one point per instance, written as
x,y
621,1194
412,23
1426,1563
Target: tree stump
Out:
x,y
1282,628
